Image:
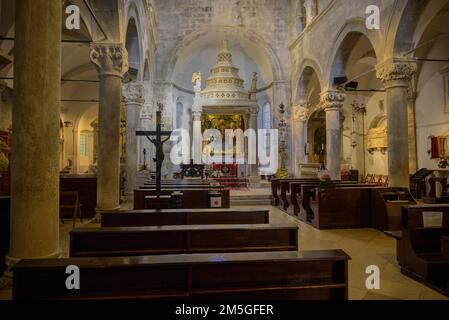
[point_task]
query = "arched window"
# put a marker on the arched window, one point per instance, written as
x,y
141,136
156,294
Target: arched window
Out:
x,y
83,145
300,16
266,116
179,113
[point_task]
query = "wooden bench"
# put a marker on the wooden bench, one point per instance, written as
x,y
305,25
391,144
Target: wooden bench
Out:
x,y
285,189
419,250
296,193
179,187
276,185
138,218
191,198
353,206
308,275
108,242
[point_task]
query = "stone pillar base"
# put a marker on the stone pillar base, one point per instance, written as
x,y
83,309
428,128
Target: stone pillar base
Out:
x,y
6,280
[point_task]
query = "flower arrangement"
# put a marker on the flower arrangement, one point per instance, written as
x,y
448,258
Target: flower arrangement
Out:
x,y
216,174
443,163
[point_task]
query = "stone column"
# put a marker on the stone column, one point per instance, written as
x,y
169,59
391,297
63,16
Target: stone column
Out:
x,y
133,99
197,149
145,125
332,102
358,137
413,152
36,120
254,168
111,61
396,75
300,114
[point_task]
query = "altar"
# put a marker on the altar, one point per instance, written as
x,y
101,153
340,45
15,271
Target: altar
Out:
x,y
222,112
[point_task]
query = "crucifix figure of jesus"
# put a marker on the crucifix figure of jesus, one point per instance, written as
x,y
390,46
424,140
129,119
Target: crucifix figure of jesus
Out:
x,y
159,144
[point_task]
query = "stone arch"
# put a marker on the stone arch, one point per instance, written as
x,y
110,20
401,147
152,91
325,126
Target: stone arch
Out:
x,y
406,30
351,31
236,32
133,42
304,77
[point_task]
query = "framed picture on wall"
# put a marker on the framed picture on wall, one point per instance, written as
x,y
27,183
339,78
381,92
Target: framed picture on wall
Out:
x,y
445,73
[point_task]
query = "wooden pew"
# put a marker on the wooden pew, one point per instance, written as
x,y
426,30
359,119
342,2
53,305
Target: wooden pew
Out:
x,y
108,242
276,185
178,182
140,218
294,207
191,198
285,189
419,249
306,198
308,275
176,187
386,205
350,206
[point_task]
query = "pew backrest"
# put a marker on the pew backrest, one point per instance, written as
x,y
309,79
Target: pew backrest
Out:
x,y
268,275
184,216
412,216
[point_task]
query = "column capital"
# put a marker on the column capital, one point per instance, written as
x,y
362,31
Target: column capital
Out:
x,y
396,71
332,99
133,93
300,112
253,110
110,59
196,115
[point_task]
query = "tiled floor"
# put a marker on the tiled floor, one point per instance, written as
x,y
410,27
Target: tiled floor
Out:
x,y
365,246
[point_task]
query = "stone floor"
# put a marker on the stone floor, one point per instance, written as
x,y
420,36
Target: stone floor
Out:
x,y
365,246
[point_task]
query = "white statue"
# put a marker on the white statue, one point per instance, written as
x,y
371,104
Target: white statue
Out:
x,y
196,78
4,162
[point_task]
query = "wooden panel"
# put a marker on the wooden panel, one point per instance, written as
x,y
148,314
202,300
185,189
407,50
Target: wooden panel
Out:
x,y
192,198
184,216
282,275
182,239
412,215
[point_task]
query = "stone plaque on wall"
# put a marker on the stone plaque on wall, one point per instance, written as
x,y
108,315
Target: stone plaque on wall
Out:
x,y
377,138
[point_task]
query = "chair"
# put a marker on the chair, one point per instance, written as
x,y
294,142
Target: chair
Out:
x,y
70,200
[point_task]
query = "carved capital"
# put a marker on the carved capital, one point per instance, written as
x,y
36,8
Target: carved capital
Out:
x,y
133,93
196,115
110,59
397,71
254,110
332,99
300,113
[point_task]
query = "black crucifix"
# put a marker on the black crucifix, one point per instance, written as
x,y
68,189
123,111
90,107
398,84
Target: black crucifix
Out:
x,y
158,143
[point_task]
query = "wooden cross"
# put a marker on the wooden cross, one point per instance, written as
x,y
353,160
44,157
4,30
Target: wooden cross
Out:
x,y
158,143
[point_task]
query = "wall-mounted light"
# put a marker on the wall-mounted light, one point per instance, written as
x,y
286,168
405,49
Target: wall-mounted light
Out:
x,y
68,124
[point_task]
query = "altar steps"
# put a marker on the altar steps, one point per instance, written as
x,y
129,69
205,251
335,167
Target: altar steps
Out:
x,y
251,200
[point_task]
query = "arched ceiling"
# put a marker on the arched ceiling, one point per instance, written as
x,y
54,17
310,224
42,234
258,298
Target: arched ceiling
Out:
x,y
201,55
